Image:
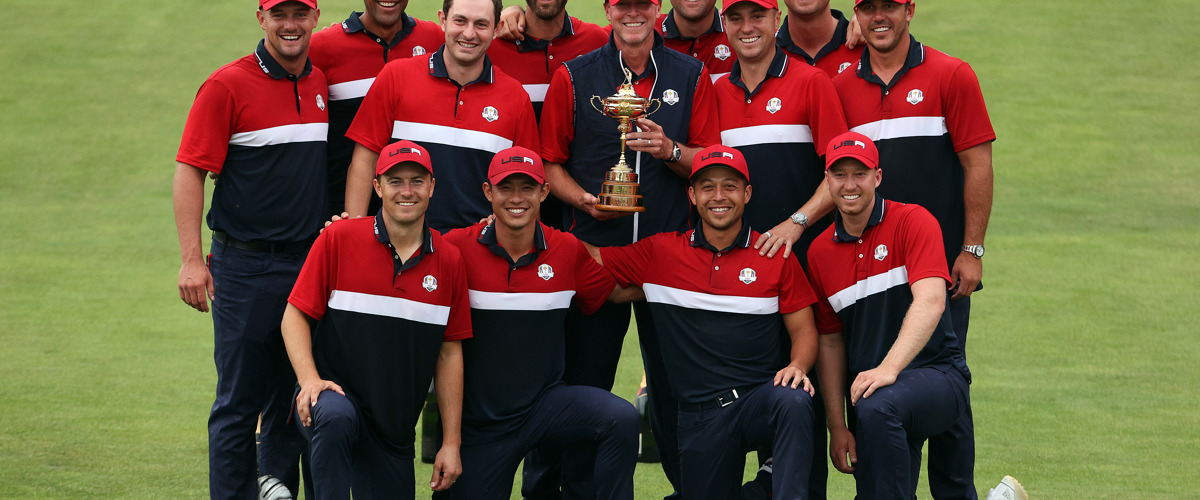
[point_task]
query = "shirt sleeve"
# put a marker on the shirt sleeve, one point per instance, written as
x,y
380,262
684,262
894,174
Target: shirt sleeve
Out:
x,y
372,125
827,321
795,293
593,284
628,263
966,114
209,126
704,128
558,117
924,251
458,326
826,118
317,278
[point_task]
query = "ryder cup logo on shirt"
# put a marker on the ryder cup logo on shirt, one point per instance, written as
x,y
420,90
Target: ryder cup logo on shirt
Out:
x,y
490,114
843,67
430,283
774,105
915,97
418,51
320,102
880,252
748,276
545,272
722,52
670,96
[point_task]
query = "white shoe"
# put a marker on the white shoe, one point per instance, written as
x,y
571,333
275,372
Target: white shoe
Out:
x,y
271,488
1008,489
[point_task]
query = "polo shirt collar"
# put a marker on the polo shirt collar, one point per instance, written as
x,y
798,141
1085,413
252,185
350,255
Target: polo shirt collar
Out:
x,y
783,38
437,69
743,239
381,235
272,67
353,24
916,56
530,44
671,30
487,237
839,231
777,68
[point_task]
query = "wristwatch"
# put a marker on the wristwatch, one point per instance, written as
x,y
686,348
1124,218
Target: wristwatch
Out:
x,y
974,250
676,153
800,218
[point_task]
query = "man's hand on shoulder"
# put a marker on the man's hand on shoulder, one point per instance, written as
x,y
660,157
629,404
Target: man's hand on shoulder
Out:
x,y
512,23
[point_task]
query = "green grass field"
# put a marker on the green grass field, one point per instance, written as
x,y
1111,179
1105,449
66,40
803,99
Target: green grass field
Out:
x,y
1084,345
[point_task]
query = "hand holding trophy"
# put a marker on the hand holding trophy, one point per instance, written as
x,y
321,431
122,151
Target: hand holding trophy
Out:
x,y
620,190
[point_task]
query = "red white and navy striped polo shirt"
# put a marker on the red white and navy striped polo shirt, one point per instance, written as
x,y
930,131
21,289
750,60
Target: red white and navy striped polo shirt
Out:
x,y
462,127
865,284
533,62
264,131
519,310
932,109
381,321
782,128
717,310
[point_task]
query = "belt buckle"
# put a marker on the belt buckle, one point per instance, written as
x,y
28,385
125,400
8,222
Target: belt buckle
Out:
x,y
724,402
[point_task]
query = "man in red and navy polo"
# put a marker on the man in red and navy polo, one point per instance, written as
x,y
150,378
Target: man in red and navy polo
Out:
x,y
523,276
351,55
926,113
696,29
881,277
454,103
389,299
818,35
720,309
260,122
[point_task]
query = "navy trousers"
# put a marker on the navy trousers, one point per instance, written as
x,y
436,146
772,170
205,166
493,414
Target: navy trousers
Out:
x,y
893,424
952,453
566,419
253,373
345,456
713,443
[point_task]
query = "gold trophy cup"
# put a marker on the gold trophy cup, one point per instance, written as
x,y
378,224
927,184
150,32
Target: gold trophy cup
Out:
x,y
620,191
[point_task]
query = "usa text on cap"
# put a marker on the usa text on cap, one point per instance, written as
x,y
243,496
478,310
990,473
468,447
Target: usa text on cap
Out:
x,y
516,160
399,152
766,4
614,2
852,145
268,4
719,156
856,2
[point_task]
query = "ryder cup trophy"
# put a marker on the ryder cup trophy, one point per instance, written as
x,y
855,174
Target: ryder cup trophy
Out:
x,y
620,191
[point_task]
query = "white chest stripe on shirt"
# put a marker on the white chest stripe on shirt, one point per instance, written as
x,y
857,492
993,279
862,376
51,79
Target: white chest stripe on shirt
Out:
x,y
710,302
537,91
867,287
392,307
284,134
450,136
500,301
350,90
911,126
718,76
766,134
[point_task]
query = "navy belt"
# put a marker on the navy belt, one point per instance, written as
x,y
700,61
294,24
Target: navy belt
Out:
x,y
722,400
262,246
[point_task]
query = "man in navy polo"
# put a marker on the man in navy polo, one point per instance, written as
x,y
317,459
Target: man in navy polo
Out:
x,y
260,123
881,277
389,299
720,309
523,276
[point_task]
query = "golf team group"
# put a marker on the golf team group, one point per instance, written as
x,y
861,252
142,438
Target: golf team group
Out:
x,y
790,300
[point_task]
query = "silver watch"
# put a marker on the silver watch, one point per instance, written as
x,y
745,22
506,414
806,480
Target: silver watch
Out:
x,y
676,153
975,250
800,218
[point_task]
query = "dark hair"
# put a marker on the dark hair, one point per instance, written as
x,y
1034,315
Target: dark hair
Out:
x,y
497,6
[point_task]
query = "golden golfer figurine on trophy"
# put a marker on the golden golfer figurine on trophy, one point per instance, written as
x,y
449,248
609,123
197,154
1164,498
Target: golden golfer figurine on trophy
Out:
x,y
620,190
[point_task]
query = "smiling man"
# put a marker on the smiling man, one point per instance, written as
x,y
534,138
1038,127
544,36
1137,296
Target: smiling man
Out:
x,y
452,102
260,122
817,34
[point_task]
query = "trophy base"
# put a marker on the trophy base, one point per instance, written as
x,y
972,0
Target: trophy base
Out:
x,y
620,208
620,192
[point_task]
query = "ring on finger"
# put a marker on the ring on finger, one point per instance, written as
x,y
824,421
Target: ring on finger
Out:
x,y
767,234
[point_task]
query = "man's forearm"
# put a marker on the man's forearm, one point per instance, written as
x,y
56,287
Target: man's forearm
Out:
x,y
978,179
297,339
188,201
563,186
929,301
448,383
358,180
802,330
831,368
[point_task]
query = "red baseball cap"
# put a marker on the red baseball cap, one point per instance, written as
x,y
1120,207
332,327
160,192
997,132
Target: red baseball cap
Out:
x,y
267,4
719,156
856,2
767,4
516,160
614,2
399,152
852,145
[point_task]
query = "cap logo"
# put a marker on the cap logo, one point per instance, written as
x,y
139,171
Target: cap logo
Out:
x,y
429,283
774,105
722,52
491,114
915,96
320,102
545,272
404,151
522,159
850,142
670,96
880,252
419,51
717,154
748,276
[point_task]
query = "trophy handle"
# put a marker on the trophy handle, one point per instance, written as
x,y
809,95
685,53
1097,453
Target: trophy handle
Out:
x,y
656,103
593,101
